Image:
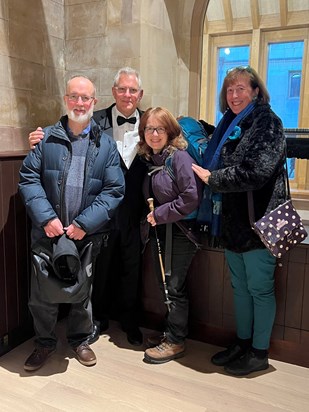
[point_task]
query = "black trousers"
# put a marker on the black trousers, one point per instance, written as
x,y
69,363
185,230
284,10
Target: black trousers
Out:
x,y
116,287
183,250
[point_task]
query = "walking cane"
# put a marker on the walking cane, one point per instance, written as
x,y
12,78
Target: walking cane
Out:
x,y
167,300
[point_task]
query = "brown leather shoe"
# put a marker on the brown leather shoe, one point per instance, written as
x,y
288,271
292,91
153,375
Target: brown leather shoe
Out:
x,y
38,357
85,355
165,352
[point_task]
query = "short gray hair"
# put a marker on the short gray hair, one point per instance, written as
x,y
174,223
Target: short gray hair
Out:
x,y
128,71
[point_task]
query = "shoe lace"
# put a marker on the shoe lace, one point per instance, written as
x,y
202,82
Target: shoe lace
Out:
x,y
164,345
37,353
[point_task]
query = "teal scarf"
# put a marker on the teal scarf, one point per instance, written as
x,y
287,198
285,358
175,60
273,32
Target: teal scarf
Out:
x,y
211,205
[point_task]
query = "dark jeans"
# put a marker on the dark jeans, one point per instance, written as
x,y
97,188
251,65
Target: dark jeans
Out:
x,y
183,251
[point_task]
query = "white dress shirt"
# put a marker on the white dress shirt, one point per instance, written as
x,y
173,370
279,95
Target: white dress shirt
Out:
x,y
126,136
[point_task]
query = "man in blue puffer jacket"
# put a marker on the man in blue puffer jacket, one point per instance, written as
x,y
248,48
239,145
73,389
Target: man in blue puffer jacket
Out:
x,y
71,183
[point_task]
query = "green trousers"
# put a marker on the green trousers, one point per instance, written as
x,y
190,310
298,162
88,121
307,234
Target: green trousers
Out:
x,y
252,278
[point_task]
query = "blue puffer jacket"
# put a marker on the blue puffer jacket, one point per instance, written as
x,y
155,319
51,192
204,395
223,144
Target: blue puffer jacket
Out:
x,y
44,172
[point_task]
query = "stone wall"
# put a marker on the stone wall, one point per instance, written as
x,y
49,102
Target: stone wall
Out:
x,y
43,42
31,67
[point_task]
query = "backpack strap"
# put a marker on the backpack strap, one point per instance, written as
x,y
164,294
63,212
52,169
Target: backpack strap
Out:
x,y
154,169
168,166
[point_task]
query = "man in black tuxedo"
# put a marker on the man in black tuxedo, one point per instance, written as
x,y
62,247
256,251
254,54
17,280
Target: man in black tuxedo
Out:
x,y
118,268
119,264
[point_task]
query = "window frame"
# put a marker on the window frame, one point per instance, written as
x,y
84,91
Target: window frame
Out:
x,y
258,41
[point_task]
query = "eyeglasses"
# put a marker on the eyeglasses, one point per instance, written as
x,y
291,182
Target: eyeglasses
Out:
x,y
246,68
123,90
239,90
75,98
151,130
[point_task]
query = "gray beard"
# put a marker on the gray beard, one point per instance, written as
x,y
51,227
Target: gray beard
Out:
x,y
80,119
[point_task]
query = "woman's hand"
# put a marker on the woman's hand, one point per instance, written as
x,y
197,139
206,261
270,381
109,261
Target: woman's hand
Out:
x,y
151,219
35,137
203,174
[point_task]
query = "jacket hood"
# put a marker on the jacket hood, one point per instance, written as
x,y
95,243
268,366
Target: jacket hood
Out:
x,y
66,262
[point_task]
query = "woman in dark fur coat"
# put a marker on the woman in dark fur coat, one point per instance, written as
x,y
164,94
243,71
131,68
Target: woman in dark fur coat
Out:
x,y
246,153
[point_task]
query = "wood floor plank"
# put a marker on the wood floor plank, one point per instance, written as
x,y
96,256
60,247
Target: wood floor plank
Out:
x,y
122,382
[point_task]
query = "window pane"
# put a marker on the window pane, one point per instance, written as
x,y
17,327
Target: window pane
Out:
x,y
283,83
229,57
294,84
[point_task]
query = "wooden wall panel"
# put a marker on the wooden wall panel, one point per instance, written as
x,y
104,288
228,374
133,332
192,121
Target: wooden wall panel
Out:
x,y
22,251
305,306
3,316
281,277
15,321
198,291
294,299
9,229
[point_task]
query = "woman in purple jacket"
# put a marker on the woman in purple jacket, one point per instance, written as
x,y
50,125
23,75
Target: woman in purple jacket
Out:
x,y
176,193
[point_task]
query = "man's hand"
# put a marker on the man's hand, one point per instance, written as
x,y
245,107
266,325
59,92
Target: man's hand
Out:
x,y
54,228
74,232
35,137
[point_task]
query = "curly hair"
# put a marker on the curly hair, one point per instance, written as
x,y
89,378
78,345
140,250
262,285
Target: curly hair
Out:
x,y
175,139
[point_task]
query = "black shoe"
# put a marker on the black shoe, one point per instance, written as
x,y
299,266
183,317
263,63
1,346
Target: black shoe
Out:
x,y
95,334
104,325
134,336
247,364
228,355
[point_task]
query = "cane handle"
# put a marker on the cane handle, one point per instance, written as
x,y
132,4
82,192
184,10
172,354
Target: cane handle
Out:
x,y
150,203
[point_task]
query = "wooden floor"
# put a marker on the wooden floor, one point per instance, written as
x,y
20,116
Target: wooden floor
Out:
x,y
121,381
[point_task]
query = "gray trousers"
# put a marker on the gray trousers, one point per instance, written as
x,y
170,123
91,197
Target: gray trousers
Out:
x,y
47,292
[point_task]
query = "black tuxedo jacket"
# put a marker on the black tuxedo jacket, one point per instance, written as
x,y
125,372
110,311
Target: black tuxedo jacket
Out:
x,y
133,205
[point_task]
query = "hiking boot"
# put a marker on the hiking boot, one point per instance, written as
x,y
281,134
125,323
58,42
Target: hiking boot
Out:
x,y
38,357
164,352
155,340
85,355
